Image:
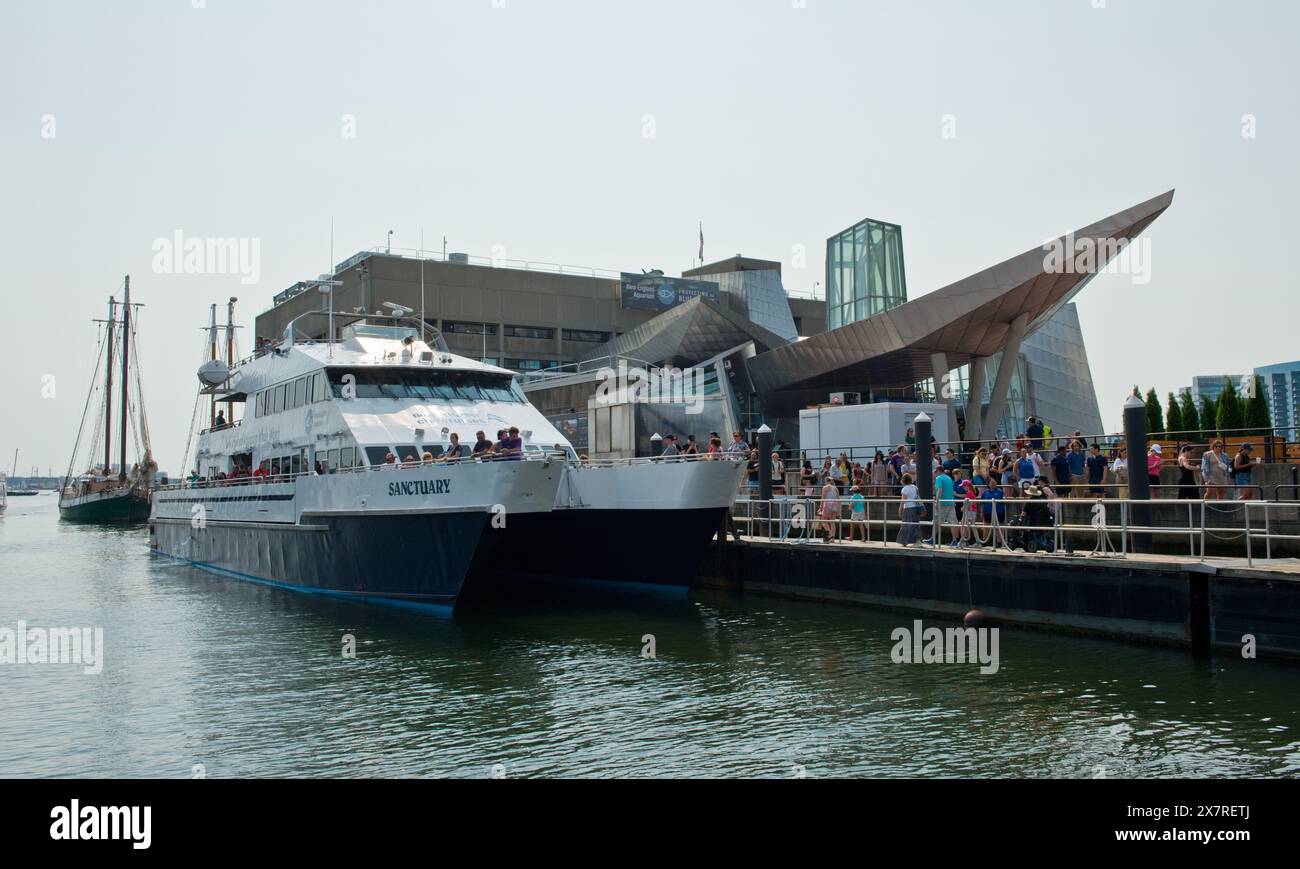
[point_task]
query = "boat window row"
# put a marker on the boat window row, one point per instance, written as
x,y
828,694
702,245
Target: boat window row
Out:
x,y
424,384
308,389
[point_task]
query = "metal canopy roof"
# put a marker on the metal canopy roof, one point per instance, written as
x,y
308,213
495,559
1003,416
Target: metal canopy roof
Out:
x,y
688,333
967,319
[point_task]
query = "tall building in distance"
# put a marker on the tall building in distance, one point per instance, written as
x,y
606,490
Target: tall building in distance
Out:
x,y
1208,387
1282,389
865,272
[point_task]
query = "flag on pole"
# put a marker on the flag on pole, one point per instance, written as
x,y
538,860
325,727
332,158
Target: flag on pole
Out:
x,y
701,242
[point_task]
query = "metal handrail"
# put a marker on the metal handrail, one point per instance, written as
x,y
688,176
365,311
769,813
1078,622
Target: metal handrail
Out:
x,y
994,530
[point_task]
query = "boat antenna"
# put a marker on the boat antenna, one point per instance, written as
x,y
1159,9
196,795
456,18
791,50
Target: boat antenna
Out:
x,y
422,283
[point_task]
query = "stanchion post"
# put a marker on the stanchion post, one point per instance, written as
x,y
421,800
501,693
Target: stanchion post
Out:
x,y
1139,487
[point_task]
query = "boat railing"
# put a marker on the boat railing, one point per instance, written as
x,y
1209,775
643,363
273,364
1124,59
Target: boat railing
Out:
x,y
268,479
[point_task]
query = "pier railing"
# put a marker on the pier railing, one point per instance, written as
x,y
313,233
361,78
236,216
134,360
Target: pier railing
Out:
x,y
1116,527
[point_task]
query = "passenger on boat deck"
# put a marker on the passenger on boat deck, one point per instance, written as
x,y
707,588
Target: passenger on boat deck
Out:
x,y
221,420
426,457
263,469
455,452
390,460
410,461
320,469
512,446
408,348
482,446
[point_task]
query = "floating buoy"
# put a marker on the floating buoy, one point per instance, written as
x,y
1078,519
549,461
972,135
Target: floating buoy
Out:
x,y
974,618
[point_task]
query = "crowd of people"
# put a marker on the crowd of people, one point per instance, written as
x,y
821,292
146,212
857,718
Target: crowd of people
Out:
x,y
1020,484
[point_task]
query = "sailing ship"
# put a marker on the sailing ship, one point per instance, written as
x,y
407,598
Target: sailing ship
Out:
x,y
99,492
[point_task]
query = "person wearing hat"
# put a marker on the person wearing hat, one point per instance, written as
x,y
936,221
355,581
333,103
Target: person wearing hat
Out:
x,y
671,446
1154,463
1242,465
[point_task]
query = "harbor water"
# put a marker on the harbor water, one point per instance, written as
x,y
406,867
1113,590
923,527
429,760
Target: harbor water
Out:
x,y
205,675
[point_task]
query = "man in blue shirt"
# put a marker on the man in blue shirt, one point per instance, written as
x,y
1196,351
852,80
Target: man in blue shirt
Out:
x,y
1078,467
1061,470
511,446
1035,434
993,497
1097,472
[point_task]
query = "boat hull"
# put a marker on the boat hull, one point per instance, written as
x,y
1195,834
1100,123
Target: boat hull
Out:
x,y
414,559
109,508
648,524
626,547
389,536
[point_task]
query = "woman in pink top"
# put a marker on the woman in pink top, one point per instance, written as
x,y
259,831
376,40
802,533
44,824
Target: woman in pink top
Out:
x,y
1154,461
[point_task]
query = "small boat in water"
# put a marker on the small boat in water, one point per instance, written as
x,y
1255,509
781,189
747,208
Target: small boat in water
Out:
x,y
102,493
24,490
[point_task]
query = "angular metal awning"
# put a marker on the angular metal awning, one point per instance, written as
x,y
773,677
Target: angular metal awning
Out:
x,y
687,334
969,319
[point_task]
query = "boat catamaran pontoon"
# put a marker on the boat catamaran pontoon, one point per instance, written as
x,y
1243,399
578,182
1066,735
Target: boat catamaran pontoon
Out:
x,y
336,478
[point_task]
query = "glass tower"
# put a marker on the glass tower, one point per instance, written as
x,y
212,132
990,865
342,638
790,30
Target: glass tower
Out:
x,y
864,272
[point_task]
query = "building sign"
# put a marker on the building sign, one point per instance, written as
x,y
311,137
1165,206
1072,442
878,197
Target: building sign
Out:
x,y
659,293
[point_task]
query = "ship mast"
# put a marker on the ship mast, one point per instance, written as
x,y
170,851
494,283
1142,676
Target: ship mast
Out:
x,y
230,354
126,370
212,355
108,387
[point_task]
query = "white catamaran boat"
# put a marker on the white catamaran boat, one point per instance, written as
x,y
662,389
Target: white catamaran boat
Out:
x,y
336,479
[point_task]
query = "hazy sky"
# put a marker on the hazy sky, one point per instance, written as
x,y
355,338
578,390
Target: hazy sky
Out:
x,y
599,133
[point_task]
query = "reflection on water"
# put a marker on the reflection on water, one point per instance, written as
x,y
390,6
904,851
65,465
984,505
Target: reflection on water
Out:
x,y
251,681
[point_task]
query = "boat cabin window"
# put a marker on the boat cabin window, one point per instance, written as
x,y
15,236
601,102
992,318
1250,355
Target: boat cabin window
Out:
x,y
299,392
426,384
376,455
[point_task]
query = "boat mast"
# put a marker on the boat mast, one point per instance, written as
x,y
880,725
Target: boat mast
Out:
x,y
108,387
212,355
126,369
230,354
